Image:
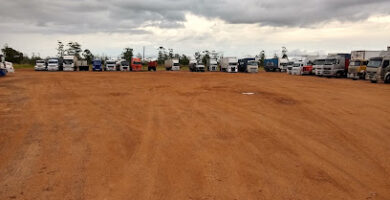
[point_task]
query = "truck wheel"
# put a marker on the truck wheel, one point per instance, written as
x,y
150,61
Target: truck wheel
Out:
x,y
372,81
387,79
338,75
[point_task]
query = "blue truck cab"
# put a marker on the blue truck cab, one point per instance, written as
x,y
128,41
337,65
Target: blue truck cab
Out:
x,y
97,65
271,64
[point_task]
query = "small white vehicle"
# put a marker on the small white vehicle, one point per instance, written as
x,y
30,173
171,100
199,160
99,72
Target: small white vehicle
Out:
x,y
40,65
229,64
172,65
212,65
53,64
123,65
110,65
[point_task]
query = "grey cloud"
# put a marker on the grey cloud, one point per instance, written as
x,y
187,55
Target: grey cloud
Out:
x,y
86,16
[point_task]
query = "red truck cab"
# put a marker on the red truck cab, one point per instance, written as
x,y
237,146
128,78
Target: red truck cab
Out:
x,y
308,69
136,64
152,65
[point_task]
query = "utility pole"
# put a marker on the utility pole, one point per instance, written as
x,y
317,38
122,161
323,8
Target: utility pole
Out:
x,y
143,54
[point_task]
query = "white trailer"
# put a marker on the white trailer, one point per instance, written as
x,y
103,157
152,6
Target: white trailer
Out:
x,y
172,65
229,64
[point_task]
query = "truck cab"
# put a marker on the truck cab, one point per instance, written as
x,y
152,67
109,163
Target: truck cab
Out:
x,y
336,65
290,66
229,64
123,66
40,65
297,67
283,64
318,65
196,67
97,65
172,65
136,64
252,66
308,68
378,69
152,66
69,63
248,65
53,64
357,69
110,65
212,65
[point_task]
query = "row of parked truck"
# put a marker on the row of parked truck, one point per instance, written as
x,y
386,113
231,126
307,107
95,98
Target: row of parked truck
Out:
x,y
72,63
369,65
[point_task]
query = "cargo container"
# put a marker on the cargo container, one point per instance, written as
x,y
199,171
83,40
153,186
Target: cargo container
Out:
x,y
229,64
136,64
358,65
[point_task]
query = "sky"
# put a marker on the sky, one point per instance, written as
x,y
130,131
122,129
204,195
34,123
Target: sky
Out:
x,y
234,28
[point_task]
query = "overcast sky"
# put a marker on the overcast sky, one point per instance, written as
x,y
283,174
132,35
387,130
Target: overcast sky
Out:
x,y
236,28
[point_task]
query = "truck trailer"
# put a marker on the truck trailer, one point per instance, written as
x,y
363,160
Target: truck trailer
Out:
x,y
229,64
336,65
358,65
172,65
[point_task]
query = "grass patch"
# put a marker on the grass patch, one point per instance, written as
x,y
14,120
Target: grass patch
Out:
x,y
23,66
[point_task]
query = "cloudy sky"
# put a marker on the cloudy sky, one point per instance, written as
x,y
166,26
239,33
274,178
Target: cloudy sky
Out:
x,y
236,28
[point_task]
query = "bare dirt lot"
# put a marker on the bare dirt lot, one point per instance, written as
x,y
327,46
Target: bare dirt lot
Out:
x,y
182,135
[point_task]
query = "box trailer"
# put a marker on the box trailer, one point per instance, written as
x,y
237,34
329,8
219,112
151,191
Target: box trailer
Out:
x,y
229,64
358,65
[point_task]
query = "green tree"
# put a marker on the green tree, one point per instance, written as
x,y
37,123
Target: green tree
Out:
x,y
12,55
74,48
60,49
88,55
262,58
205,58
127,54
184,60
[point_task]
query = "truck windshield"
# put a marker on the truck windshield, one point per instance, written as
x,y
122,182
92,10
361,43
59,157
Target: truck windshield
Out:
x,y
375,63
125,63
319,62
233,64
97,62
40,62
174,64
252,63
137,63
330,61
68,62
53,62
296,65
355,63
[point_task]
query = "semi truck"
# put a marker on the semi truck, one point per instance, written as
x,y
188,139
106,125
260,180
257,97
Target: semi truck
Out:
x,y
82,65
3,68
152,66
271,64
378,68
212,65
298,67
248,65
97,65
40,65
110,65
336,65
290,65
172,65
136,64
53,64
69,63
194,66
123,65
283,64
358,65
318,65
229,64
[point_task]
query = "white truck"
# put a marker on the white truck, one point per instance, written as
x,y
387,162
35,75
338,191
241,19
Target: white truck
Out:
x,y
212,65
252,66
290,66
69,63
172,65
40,65
123,65
53,64
358,64
283,63
229,64
110,65
298,66
5,67
318,65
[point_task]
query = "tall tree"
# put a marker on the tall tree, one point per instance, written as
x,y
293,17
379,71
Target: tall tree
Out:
x,y
88,55
60,49
184,60
127,54
12,55
284,53
74,48
262,58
